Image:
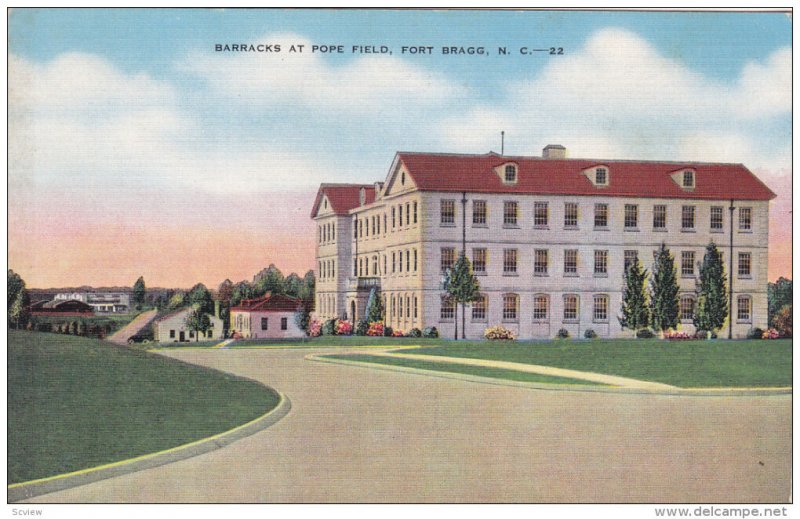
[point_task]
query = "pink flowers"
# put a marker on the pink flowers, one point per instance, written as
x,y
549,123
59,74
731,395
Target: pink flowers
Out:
x,y
772,333
398,333
375,329
344,328
314,328
673,335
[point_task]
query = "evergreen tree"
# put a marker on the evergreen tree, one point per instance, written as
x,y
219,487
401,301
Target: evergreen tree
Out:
x,y
635,311
374,307
712,293
462,286
139,292
309,286
664,291
19,312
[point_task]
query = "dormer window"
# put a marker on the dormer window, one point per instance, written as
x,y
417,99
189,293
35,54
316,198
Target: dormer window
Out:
x,y
601,176
688,178
511,173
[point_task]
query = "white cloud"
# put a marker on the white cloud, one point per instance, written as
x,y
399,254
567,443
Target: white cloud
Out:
x,y
620,97
361,85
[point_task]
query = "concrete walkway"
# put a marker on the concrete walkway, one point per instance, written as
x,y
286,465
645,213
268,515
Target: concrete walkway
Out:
x,y
122,335
599,378
367,435
224,344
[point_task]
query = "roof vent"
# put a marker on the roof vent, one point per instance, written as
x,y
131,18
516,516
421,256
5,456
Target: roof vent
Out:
x,y
554,151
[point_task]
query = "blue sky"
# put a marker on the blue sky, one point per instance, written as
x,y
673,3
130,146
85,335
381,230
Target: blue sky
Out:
x,y
117,108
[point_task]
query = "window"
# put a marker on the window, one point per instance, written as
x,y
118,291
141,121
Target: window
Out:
x,y
659,217
570,307
540,307
355,267
743,309
540,262
687,308
510,214
571,261
601,216
448,212
448,310
688,179
385,266
478,212
378,223
601,176
415,307
400,214
408,213
408,261
510,307
630,257
394,306
361,229
415,260
403,178
745,219
540,214
400,306
744,264
448,258
394,217
631,216
172,334
687,217
265,323
400,263
479,309
601,263
687,263
716,218
284,323
375,265
385,227
570,215
415,212
394,262
509,261
408,306
511,173
373,225
333,232
479,261
600,313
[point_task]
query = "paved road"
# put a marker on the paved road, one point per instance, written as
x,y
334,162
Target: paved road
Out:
x,y
122,335
357,434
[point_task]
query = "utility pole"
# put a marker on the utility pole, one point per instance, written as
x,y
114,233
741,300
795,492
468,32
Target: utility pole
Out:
x,y
730,279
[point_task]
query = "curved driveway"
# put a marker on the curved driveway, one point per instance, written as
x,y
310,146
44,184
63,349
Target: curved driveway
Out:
x,y
357,434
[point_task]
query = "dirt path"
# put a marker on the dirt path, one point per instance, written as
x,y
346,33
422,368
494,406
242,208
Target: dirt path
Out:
x,y
122,335
356,434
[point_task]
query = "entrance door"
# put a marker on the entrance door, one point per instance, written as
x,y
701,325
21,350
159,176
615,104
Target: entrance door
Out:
x,y
182,337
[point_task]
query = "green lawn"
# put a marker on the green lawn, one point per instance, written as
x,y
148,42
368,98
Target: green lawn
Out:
x,y
75,403
506,374
679,363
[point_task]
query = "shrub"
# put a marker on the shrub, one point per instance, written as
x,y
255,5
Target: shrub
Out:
x,y
498,333
703,334
415,332
398,333
783,321
755,333
361,327
430,333
344,327
645,333
590,334
772,333
329,327
388,331
314,328
674,335
375,329
563,333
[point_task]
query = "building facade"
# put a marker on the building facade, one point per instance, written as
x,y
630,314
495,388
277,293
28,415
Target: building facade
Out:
x,y
268,317
173,328
548,237
101,302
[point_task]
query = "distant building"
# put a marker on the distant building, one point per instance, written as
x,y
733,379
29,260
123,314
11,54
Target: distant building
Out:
x,y
548,237
173,328
61,308
101,302
269,317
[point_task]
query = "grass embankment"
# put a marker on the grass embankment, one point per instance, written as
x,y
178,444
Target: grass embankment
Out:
x,y
478,371
75,403
684,364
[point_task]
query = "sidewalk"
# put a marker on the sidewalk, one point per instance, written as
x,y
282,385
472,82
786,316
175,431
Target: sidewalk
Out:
x,y
122,335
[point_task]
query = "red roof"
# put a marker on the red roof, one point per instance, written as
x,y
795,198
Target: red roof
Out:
x,y
343,197
269,303
474,173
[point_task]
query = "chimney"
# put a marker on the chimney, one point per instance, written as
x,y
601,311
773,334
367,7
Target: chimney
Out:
x,y
554,151
378,190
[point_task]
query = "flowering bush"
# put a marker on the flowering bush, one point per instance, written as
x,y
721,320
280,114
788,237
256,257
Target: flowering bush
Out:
x,y
314,328
673,335
772,333
375,329
344,328
398,333
498,333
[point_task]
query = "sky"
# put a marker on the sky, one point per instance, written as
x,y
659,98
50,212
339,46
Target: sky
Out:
x,y
137,148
